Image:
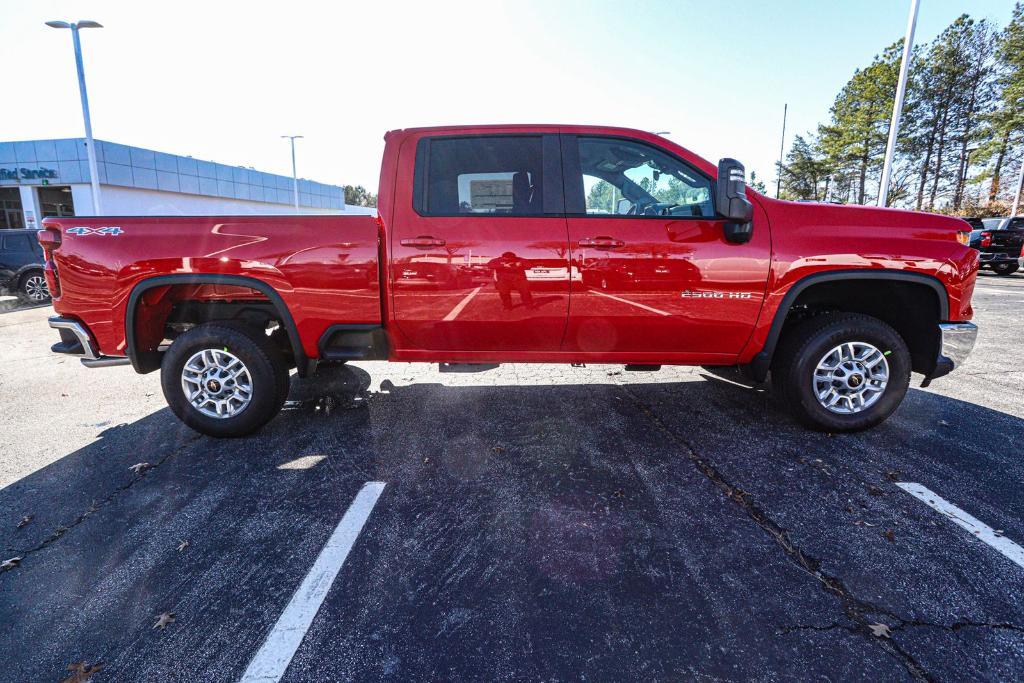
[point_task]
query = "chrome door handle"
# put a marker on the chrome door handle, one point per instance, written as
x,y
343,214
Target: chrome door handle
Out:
x,y
601,242
423,242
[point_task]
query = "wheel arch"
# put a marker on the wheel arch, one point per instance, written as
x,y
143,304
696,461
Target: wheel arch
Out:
x,y
761,363
148,361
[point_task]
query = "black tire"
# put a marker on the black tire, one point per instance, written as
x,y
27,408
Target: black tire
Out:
x,y
803,347
32,288
1005,268
266,366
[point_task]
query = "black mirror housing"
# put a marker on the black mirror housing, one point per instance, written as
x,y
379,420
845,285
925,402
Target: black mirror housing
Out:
x,y
731,201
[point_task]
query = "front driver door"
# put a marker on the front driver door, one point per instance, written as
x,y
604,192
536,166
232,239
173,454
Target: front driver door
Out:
x,y
657,274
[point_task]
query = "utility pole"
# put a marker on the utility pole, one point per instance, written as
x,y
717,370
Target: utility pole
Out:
x,y
1020,187
782,149
90,145
295,177
897,106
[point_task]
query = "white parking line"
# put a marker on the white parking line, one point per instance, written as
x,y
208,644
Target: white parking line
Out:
x,y
965,521
454,313
631,303
277,651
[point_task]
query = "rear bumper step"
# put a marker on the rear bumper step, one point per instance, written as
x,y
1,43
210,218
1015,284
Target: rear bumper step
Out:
x,y
75,341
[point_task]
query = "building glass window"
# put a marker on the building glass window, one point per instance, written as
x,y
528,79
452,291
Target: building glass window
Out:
x,y
11,215
56,201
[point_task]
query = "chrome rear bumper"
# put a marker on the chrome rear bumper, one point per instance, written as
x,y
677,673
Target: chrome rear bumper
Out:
x,y
75,341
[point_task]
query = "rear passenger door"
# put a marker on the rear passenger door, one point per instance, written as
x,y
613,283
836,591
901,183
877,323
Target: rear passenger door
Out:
x,y
480,260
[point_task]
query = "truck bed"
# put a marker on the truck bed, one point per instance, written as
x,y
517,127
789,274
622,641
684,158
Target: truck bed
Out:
x,y
324,268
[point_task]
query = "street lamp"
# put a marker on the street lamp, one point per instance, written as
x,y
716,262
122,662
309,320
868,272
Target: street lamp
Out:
x,y
90,146
897,105
295,178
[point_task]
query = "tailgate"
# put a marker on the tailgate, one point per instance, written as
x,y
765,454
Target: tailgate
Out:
x,y
1007,241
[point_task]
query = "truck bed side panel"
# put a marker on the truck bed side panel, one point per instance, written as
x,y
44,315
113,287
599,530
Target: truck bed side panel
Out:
x,y
324,267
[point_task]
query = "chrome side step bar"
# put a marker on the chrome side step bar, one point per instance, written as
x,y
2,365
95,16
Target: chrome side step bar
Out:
x,y
89,357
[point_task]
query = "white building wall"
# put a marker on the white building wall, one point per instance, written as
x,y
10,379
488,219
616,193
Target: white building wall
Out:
x,y
125,201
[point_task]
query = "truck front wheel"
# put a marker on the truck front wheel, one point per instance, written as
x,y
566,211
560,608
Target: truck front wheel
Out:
x,y
842,372
224,379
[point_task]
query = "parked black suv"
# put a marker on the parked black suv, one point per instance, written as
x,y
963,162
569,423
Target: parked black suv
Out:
x,y
1000,241
21,265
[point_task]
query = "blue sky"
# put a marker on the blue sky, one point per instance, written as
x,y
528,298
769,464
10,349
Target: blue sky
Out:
x,y
223,80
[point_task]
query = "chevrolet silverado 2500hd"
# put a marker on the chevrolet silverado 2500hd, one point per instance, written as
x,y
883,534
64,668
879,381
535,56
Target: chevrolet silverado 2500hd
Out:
x,y
552,244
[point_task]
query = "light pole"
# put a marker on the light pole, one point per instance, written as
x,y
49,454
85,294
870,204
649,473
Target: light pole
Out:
x,y
90,145
897,106
1016,196
782,150
295,178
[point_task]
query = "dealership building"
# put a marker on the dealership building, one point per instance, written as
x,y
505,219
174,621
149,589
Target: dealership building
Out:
x,y
40,178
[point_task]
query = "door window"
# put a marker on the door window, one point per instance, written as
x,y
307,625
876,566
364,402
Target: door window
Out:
x,y
497,176
621,177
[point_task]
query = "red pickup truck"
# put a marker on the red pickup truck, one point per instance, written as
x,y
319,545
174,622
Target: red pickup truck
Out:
x,y
541,244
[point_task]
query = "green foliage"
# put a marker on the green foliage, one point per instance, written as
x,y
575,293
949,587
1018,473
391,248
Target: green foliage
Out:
x,y
757,184
961,126
359,196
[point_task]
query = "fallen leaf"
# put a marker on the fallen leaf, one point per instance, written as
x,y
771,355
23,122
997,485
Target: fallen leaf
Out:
x,y
880,630
163,620
943,423
10,564
874,490
498,449
139,467
890,535
182,545
861,522
82,672
426,460
618,493
24,520
892,475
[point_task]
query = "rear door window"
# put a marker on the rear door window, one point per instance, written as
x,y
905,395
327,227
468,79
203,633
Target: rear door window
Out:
x,y
17,243
486,175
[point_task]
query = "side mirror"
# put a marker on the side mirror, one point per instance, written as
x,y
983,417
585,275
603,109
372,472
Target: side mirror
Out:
x,y
731,201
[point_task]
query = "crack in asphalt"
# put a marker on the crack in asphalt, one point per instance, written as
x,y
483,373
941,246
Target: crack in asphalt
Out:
x,y
856,609
63,529
956,626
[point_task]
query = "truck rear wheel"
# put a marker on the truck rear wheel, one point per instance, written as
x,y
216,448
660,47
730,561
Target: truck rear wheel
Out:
x,y
224,379
1005,268
842,372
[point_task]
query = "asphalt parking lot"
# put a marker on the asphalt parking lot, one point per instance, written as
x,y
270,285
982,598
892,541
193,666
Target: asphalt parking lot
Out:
x,y
535,523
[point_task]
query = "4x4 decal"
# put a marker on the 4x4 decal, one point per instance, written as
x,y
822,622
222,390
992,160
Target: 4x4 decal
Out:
x,y
105,230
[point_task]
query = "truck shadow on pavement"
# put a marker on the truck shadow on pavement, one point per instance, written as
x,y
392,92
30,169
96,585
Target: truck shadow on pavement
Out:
x,y
610,531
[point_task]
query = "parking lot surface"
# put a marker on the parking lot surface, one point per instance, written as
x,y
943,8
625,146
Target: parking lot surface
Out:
x,y
535,523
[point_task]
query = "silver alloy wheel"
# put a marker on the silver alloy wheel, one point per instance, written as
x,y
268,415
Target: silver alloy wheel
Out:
x,y
851,378
36,289
217,383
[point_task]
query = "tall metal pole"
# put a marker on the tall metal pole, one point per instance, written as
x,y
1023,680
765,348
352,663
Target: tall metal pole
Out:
x,y
782,149
1020,187
295,177
897,107
90,144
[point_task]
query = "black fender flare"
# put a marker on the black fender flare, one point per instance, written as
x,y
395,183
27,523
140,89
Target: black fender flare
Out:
x,y
144,362
762,360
